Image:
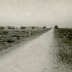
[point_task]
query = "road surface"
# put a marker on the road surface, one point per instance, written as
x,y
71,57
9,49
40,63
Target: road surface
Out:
x,y
36,56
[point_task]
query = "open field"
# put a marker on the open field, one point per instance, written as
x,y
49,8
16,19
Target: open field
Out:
x,y
10,36
64,40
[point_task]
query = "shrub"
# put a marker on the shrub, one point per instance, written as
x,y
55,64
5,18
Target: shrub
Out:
x,y
22,27
24,36
10,27
33,27
44,27
15,36
4,32
10,40
56,27
18,38
2,27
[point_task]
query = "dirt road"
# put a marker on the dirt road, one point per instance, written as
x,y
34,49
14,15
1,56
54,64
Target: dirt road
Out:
x,y
36,56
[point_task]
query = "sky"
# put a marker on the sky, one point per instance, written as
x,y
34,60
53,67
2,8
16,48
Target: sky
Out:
x,y
36,13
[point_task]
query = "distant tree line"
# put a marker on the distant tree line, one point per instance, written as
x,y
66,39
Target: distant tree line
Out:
x,y
22,27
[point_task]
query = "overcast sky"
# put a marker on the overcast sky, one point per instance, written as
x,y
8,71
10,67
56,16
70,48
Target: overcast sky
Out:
x,y
36,12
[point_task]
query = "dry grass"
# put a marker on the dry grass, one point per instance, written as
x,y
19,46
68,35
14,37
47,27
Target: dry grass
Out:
x,y
64,40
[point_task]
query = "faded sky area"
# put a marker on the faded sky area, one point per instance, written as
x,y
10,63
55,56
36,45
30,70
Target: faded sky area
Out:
x,y
36,12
